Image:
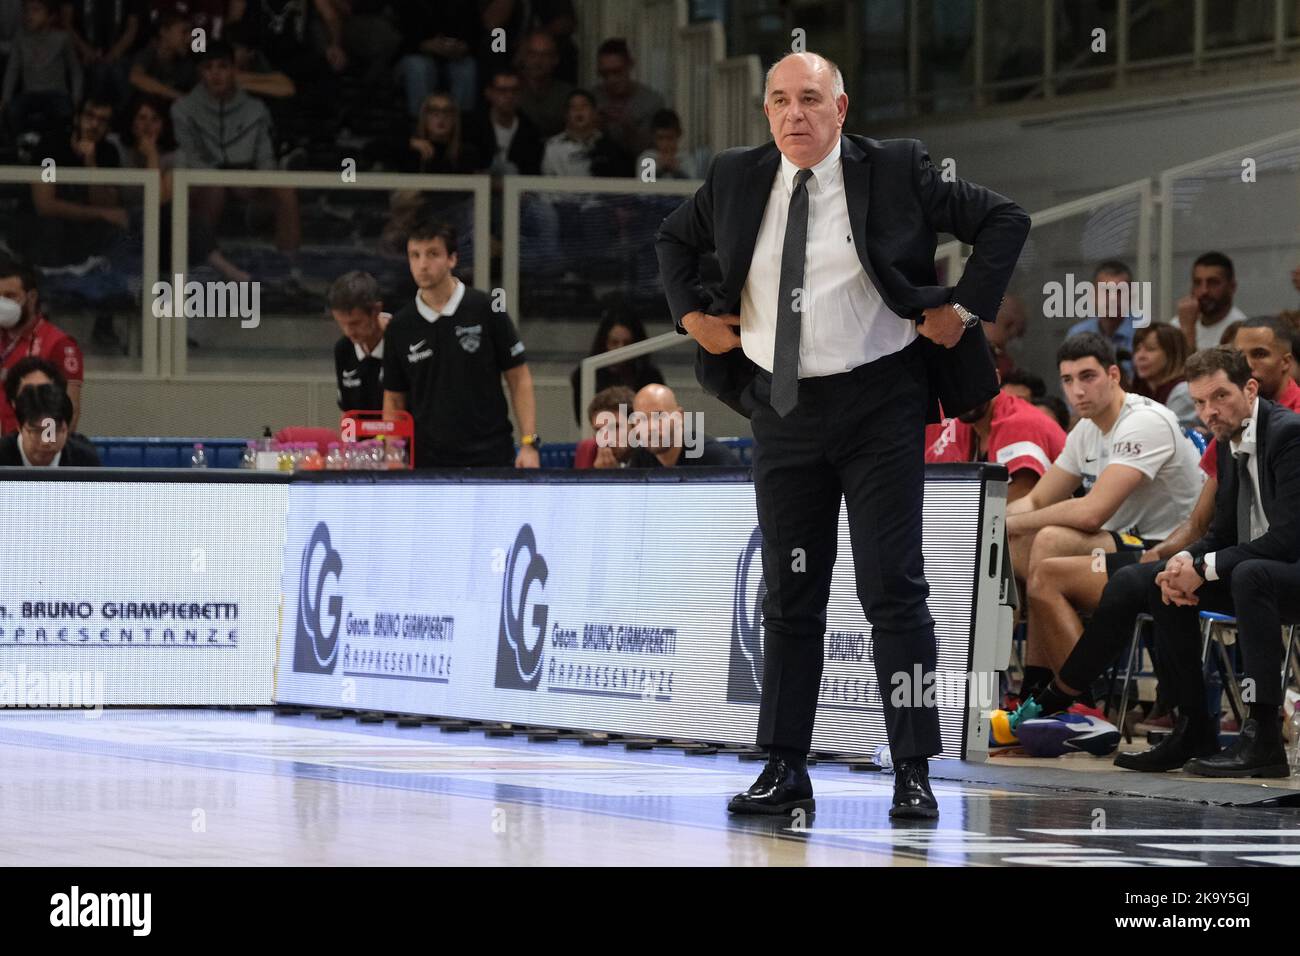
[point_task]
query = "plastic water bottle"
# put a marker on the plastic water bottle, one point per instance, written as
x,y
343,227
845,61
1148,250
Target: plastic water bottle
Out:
x,y
284,461
882,757
395,454
334,457
198,459
248,460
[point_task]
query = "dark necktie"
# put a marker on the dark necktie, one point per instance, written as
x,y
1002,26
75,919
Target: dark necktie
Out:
x,y
1245,498
785,357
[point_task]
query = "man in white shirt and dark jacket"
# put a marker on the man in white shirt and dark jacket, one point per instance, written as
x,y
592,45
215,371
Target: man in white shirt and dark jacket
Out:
x,y
830,330
1247,565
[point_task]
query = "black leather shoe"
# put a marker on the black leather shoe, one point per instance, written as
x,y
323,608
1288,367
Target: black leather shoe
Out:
x,y
780,789
1182,744
913,799
1250,756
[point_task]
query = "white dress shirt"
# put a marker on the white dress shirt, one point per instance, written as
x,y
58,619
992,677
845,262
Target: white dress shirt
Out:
x,y
844,322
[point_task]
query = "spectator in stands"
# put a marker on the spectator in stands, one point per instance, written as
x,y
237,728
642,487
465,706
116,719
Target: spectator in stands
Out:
x,y
666,158
503,133
74,221
165,68
1141,480
1005,430
219,126
1005,329
1159,352
604,450
544,99
42,80
1114,328
445,354
104,35
151,145
355,303
556,19
437,144
1023,384
206,15
45,424
441,40
626,108
304,40
1207,310
617,328
582,149
24,332
1270,348
1250,570
669,445
253,71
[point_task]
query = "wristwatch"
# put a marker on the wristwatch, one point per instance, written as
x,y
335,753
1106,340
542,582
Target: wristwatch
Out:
x,y
534,440
1198,565
968,318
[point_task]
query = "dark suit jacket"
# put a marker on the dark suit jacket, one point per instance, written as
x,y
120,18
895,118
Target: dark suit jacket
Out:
x,y
78,452
1277,447
898,203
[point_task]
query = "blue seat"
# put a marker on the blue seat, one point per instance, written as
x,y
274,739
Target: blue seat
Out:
x,y
1197,439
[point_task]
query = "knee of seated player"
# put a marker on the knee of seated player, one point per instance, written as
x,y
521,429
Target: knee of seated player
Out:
x,y
1250,578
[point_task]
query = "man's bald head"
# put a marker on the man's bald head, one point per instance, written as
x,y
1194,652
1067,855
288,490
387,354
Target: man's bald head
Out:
x,y
655,398
805,106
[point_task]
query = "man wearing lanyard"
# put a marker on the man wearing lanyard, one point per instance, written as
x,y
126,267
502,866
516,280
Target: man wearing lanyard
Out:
x,y
24,331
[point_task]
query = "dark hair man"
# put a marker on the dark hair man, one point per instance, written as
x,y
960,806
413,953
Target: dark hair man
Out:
x,y
355,304
840,344
444,357
1247,565
1207,310
1139,471
42,441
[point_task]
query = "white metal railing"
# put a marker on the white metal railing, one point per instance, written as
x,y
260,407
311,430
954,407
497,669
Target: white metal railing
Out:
x,y
149,181
1229,162
173,349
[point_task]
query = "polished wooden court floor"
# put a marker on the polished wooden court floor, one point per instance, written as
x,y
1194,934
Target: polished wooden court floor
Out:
x,y
213,788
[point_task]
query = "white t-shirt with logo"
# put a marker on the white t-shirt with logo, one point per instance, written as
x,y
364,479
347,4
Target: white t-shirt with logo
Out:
x,y
1146,436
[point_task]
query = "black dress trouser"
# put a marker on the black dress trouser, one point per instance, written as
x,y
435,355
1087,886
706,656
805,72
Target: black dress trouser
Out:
x,y
1261,594
860,436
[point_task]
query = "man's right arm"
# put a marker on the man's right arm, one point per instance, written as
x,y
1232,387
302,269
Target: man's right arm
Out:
x,y
685,235
394,402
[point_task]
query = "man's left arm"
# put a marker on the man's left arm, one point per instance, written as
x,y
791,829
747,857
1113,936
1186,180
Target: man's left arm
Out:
x,y
992,224
519,381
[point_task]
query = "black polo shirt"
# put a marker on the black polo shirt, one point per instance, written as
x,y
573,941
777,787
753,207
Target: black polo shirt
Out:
x,y
449,365
360,379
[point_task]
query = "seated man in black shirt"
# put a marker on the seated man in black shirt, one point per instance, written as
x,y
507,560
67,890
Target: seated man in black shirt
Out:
x,y
359,355
43,440
444,357
667,438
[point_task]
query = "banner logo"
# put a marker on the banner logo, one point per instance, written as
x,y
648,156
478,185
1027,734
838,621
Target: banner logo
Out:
x,y
314,650
522,637
745,665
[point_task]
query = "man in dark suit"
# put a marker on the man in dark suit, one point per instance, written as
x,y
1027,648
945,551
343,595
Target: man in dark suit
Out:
x,y
43,439
847,344
1247,564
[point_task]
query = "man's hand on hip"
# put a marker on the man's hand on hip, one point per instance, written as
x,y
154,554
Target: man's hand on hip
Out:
x,y
942,326
716,333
